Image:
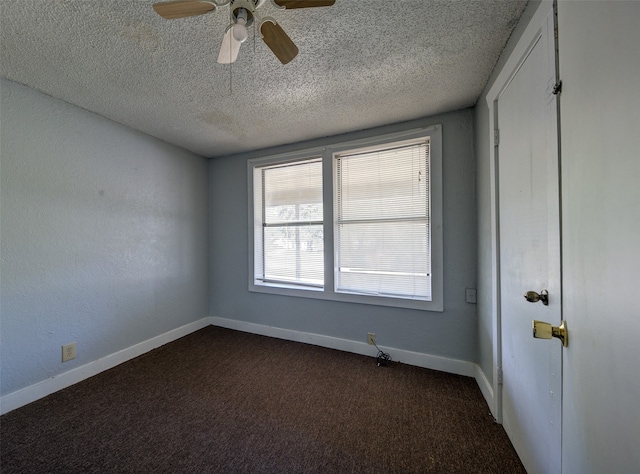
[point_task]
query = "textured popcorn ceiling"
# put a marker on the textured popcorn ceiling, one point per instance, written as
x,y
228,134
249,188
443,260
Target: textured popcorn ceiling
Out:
x,y
362,63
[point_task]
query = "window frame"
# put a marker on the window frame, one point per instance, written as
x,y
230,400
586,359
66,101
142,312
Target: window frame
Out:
x,y
436,303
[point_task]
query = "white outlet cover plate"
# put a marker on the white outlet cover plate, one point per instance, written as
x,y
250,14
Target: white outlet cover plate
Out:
x,y
470,295
68,352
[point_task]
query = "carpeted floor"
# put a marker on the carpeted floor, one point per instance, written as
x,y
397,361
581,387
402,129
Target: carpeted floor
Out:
x,y
223,401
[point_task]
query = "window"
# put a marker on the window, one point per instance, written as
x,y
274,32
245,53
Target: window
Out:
x,y
382,221
359,221
289,244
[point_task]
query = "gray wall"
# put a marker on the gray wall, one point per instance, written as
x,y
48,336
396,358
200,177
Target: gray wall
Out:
x,y
450,334
104,237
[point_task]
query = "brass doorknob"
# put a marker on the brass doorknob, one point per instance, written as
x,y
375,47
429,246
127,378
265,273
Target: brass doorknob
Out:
x,y
542,330
534,297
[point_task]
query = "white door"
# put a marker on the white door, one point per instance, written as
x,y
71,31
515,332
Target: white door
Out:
x,y
529,242
600,51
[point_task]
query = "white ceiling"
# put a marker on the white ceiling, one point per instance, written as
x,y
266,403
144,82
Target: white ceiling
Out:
x,y
362,63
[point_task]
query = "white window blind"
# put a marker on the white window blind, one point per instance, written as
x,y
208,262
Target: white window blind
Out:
x,y
289,211
381,211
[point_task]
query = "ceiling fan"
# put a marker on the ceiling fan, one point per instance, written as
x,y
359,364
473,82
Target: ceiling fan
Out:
x,y
243,14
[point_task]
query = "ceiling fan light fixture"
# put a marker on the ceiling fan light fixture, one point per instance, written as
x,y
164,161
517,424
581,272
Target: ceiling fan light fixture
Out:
x,y
240,32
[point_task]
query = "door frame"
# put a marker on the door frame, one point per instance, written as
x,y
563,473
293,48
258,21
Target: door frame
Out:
x,y
531,35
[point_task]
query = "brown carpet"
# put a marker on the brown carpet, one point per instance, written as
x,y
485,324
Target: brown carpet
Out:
x,y
223,401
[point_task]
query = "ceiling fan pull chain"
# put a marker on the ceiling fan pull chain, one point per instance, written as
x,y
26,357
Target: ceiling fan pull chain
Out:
x,y
231,17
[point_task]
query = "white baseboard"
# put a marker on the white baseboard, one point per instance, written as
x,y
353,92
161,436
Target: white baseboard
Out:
x,y
41,389
454,366
486,389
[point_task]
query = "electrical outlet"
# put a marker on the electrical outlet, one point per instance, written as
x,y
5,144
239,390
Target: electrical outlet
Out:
x,y
371,338
68,352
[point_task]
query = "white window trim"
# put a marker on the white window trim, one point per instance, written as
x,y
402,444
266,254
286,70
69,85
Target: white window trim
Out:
x,y
327,152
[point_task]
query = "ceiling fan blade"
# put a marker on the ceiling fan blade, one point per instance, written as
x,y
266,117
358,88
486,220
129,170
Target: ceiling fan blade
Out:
x,y
278,41
182,8
229,49
304,3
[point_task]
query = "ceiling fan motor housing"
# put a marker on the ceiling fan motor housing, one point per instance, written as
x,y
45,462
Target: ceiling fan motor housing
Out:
x,y
248,5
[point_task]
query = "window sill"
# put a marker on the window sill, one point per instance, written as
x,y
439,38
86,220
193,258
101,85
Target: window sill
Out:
x,y
328,295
